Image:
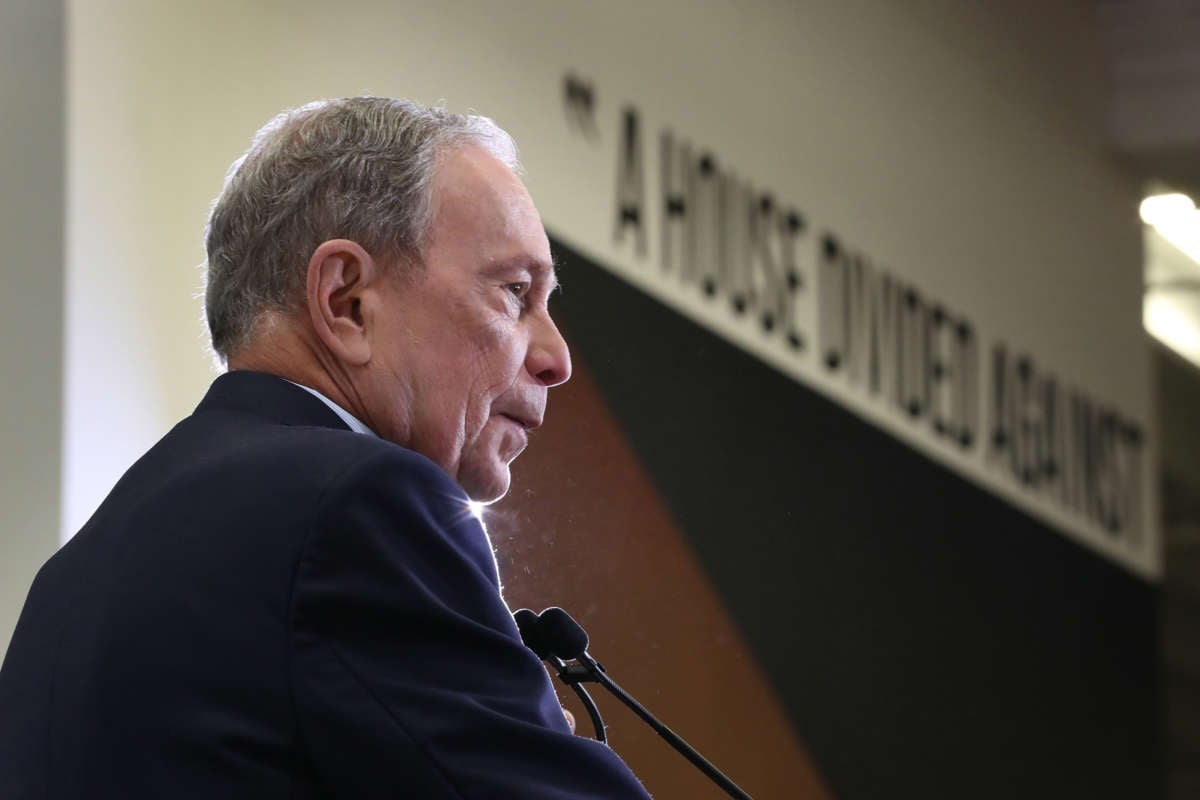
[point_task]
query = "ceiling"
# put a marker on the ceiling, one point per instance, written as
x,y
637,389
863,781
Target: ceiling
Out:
x,y
1153,125
1154,60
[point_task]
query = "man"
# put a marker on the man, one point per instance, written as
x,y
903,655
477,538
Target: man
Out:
x,y
288,595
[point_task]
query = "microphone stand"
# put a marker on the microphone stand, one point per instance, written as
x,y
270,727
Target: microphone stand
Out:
x,y
587,669
585,698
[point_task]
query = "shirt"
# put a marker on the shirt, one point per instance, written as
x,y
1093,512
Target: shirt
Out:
x,y
354,423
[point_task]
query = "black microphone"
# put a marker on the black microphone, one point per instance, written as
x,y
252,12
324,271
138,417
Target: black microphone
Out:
x,y
534,637
564,639
531,633
561,634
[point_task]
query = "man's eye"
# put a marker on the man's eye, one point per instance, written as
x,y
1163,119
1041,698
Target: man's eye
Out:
x,y
520,290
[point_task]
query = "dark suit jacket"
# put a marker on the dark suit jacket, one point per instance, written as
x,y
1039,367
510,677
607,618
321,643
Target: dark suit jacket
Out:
x,y
271,606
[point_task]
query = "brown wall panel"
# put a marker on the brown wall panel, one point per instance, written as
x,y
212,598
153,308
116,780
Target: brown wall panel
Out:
x,y
584,528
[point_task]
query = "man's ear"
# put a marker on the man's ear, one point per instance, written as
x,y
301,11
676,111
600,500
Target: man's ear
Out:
x,y
340,273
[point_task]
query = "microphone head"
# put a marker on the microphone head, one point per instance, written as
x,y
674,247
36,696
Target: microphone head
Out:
x,y
531,632
561,635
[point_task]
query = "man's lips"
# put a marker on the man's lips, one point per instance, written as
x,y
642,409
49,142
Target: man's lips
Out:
x,y
526,421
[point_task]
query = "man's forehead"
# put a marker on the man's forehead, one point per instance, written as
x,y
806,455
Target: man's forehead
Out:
x,y
470,170
472,189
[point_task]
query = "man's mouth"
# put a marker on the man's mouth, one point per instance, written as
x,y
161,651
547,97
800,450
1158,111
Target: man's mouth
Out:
x,y
526,423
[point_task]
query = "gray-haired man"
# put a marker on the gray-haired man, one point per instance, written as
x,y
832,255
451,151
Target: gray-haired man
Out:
x,y
287,596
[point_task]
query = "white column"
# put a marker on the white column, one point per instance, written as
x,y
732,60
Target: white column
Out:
x,y
31,294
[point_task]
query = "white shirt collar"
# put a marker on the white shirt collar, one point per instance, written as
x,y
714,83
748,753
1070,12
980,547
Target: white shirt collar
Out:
x,y
353,422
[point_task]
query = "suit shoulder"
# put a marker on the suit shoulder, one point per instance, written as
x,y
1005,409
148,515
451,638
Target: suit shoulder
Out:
x,y
361,459
396,476
233,443
402,496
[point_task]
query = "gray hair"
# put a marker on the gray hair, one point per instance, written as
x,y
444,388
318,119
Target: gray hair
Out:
x,y
357,168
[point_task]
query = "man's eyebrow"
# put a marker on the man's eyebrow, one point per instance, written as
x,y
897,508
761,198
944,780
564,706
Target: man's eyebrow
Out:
x,y
546,271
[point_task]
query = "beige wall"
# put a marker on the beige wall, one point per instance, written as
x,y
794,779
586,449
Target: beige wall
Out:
x,y
31,312
958,142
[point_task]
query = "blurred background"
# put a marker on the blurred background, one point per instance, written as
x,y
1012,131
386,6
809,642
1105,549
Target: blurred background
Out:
x,y
879,473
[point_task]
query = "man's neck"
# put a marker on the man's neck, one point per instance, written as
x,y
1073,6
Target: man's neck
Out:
x,y
277,349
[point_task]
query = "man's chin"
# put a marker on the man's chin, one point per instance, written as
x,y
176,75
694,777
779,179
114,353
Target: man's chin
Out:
x,y
485,486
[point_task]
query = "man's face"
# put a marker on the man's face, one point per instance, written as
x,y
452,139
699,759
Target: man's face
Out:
x,y
464,353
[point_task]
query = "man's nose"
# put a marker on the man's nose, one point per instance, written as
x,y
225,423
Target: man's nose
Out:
x,y
549,359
